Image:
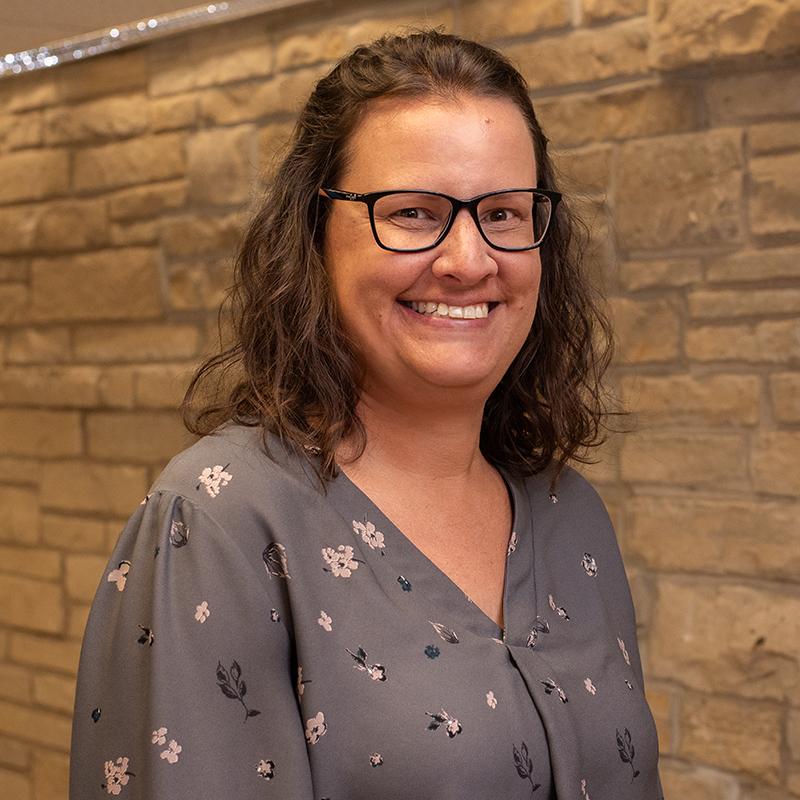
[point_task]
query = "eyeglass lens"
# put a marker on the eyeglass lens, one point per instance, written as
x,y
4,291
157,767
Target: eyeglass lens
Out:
x,y
407,221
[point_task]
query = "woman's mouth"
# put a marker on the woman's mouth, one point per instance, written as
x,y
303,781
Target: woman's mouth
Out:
x,y
432,308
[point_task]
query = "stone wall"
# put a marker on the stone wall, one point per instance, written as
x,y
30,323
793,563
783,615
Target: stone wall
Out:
x,y
124,184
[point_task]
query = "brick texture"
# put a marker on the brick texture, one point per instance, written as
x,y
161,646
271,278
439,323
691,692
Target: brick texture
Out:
x,y
126,183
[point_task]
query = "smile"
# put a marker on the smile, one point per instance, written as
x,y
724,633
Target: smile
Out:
x,y
434,309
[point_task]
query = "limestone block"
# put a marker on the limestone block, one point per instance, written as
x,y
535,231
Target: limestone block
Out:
x,y
116,387
202,234
162,386
109,284
582,55
46,651
604,10
645,109
492,21
713,731
771,342
774,462
33,175
696,782
84,573
13,269
13,784
755,265
794,734
135,437
660,701
146,202
50,775
585,170
116,117
658,273
680,533
173,113
784,389
684,459
54,691
70,225
773,137
310,42
680,191
19,522
112,73
647,330
15,683
144,232
18,225
709,399
686,32
38,346
31,432
221,165
130,162
722,637
77,616
199,286
732,303
750,96
42,727
31,604
14,753
75,387
774,205
14,303
207,59
19,131
29,91
284,94
31,562
129,343
86,486
73,533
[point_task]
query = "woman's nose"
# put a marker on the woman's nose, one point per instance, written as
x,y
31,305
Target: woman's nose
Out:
x,y
464,254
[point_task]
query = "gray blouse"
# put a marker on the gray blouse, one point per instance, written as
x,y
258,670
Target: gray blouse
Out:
x,y
254,637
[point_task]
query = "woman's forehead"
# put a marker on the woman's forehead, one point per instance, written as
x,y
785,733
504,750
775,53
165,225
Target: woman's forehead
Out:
x,y
418,139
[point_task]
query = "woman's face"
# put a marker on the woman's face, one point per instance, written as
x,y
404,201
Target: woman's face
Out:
x,y
464,148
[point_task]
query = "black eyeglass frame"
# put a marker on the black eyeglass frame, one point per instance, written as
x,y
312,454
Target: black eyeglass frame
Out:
x,y
370,198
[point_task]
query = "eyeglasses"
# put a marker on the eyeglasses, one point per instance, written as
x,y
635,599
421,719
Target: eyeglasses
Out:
x,y
410,221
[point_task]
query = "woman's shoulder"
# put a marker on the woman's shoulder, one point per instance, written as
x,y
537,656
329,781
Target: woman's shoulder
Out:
x,y
573,491
230,473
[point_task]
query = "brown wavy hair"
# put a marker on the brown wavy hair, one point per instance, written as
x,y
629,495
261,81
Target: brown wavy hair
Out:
x,y
294,371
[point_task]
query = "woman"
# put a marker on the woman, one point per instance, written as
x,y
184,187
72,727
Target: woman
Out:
x,y
379,578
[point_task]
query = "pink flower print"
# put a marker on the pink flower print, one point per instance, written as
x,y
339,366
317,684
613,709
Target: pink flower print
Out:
x,y
214,478
300,682
452,725
119,575
325,621
376,759
160,736
202,612
368,534
512,543
266,769
117,775
560,610
587,682
171,753
624,651
315,728
491,700
589,565
341,560
584,792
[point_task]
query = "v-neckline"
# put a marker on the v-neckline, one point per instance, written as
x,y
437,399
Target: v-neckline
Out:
x,y
438,588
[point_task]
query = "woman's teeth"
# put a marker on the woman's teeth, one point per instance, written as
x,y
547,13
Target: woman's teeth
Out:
x,y
454,312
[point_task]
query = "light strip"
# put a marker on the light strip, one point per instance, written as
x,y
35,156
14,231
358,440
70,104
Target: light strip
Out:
x,y
140,31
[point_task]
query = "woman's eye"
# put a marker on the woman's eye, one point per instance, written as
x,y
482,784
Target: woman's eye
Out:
x,y
412,213
500,215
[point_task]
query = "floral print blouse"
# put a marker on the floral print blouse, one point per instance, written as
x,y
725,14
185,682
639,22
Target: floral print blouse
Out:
x,y
255,637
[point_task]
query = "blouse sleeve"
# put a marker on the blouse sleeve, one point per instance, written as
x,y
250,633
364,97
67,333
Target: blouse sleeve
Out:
x,y
186,683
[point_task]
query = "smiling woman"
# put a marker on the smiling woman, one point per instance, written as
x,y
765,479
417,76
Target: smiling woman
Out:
x,y
377,574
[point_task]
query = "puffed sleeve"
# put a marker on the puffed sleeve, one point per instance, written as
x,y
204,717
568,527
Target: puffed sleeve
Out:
x,y
186,685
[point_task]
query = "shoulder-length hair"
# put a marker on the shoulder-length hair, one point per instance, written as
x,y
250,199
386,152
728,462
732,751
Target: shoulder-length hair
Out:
x,y
296,373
